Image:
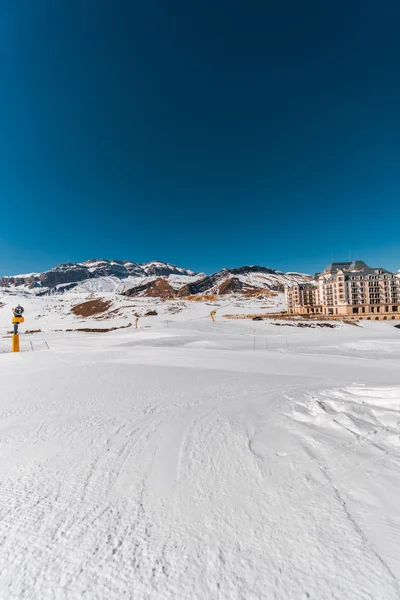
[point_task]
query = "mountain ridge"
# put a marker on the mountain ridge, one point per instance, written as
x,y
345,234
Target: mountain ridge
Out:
x,y
77,272
246,279
131,278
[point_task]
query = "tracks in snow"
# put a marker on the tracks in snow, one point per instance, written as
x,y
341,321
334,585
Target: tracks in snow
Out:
x,y
151,482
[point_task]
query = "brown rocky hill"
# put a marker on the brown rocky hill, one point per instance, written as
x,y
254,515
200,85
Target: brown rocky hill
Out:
x,y
159,288
241,280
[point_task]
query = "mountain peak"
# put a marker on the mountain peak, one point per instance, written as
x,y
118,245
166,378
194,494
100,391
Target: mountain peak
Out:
x,y
100,274
72,274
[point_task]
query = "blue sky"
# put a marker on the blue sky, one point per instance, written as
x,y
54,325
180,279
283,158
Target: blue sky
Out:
x,y
203,134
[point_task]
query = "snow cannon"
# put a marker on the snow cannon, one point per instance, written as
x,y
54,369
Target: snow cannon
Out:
x,y
18,311
212,315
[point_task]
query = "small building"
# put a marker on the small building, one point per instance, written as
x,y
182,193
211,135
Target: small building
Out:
x,y
347,289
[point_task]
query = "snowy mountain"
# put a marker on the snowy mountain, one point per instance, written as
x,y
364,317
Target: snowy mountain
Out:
x,y
156,279
93,275
243,279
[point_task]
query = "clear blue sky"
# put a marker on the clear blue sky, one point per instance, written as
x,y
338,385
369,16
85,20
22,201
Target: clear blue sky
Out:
x,y
207,134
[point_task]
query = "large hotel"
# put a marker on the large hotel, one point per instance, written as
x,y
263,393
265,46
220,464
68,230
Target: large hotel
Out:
x,y
348,289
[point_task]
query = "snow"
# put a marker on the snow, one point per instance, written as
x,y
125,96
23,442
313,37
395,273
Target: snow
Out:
x,y
148,266
261,280
109,284
23,275
127,275
177,461
122,276
54,311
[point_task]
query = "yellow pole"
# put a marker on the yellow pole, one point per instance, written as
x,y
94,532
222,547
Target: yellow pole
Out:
x,y
212,315
15,343
136,322
17,319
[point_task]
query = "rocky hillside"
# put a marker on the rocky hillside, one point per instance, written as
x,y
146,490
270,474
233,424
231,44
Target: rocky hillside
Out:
x,y
158,288
243,280
152,279
69,275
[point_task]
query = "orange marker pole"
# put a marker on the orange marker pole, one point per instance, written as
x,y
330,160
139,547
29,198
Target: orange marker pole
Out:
x,y
17,319
15,342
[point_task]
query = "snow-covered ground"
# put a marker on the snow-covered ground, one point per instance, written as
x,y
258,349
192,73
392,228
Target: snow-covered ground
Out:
x,y
54,312
192,460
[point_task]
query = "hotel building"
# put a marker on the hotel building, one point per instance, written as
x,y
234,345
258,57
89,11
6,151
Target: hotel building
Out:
x,y
347,289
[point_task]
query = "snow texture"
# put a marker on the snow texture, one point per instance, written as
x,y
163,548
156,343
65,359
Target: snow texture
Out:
x,y
192,460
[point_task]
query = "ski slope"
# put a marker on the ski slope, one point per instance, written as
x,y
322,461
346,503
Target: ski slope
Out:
x,y
55,312
191,460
